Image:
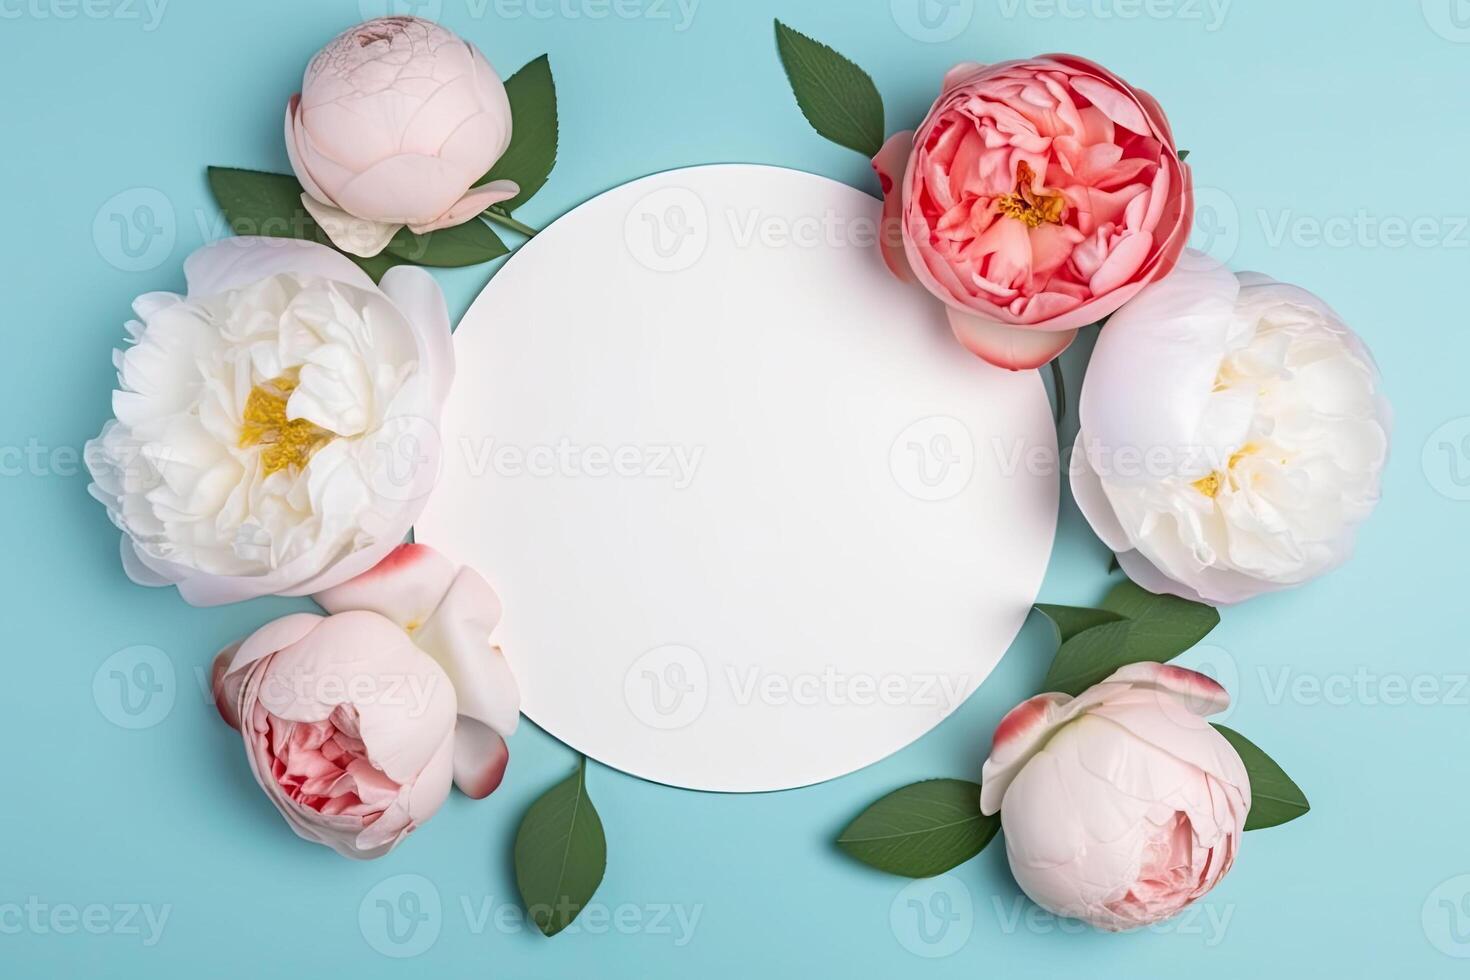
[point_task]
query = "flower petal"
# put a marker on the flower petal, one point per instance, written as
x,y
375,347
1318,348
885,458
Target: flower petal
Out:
x,y
406,587
891,165
354,235
1016,348
480,758
475,201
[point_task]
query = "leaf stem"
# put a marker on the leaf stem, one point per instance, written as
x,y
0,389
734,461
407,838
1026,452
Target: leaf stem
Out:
x,y
1060,384
506,221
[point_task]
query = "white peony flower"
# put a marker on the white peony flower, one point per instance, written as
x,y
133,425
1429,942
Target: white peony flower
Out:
x,y
1234,433
276,428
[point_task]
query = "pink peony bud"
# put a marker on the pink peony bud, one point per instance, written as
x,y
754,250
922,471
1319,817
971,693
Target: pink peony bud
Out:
x,y
396,120
355,723
1120,806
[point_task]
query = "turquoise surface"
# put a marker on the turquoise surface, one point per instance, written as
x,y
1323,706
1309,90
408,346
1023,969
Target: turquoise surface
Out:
x,y
1330,143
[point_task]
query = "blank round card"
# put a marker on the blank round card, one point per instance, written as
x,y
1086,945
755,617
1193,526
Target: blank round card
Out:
x,y
756,518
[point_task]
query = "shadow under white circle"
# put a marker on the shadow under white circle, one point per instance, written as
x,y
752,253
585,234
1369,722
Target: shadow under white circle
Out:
x,y
774,521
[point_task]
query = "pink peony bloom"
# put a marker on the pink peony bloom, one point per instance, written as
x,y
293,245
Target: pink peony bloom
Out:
x,y
355,723
1123,805
396,120
1037,197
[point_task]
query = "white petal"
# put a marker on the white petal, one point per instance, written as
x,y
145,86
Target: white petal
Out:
x,y
231,263
359,236
1149,382
417,295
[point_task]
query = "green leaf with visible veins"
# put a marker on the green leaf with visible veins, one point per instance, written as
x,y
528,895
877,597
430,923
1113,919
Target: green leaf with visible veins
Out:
x,y
1068,621
464,244
921,830
1275,798
1089,657
1164,626
560,854
533,133
837,97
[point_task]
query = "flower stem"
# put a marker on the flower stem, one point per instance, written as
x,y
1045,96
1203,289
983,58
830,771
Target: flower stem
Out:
x,y
1060,384
507,221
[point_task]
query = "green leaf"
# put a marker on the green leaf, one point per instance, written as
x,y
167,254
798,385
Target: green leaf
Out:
x,y
1183,155
560,854
1275,798
1068,621
836,96
259,203
1089,657
921,830
532,151
467,244
1164,626
1138,626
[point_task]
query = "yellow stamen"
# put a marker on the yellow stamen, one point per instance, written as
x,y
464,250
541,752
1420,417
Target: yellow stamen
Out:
x,y
1029,207
288,442
1210,485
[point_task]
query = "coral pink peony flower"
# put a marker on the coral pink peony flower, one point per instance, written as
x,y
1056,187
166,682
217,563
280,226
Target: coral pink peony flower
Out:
x,y
355,723
1120,806
396,120
1037,197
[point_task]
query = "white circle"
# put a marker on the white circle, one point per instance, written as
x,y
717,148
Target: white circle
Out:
x,y
717,477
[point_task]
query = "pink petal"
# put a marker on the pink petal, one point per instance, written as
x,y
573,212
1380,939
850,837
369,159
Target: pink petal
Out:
x,y
480,758
1015,348
475,200
891,165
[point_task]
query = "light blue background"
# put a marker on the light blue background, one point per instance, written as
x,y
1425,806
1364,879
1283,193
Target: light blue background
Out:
x,y
1305,111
